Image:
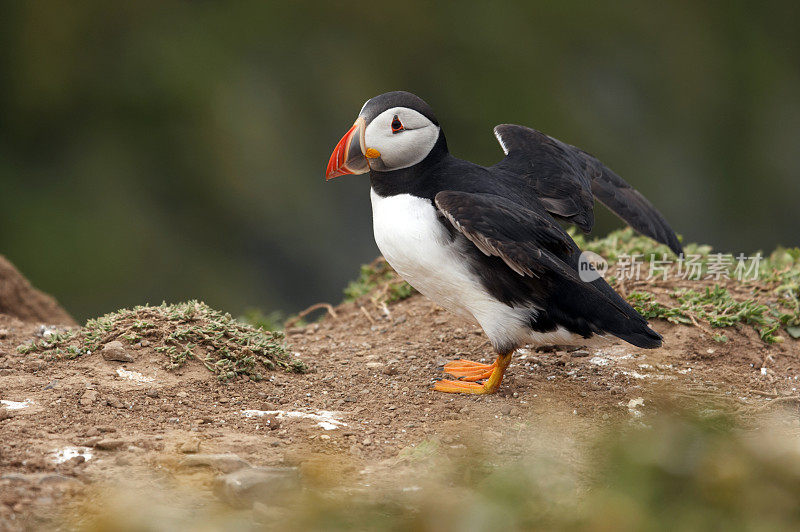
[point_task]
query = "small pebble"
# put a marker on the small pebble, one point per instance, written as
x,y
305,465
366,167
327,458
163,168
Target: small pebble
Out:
x,y
108,444
89,397
115,351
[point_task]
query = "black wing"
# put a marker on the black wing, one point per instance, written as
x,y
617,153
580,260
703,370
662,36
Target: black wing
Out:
x,y
568,179
532,244
529,242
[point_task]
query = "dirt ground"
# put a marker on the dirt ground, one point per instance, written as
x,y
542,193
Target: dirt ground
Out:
x,y
365,401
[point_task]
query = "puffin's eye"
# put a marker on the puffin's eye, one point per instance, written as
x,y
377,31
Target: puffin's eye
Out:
x,y
397,125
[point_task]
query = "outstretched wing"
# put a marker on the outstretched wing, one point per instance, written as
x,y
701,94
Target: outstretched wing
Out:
x,y
567,180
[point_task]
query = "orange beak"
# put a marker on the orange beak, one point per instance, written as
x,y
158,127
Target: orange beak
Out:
x,y
348,156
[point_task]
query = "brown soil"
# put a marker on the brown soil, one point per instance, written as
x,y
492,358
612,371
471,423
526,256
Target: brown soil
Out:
x,y
374,367
21,300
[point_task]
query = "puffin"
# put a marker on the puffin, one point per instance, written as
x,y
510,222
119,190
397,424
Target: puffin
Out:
x,y
487,242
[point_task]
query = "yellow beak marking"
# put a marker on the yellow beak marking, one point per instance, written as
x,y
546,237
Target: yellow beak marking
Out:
x,y
372,153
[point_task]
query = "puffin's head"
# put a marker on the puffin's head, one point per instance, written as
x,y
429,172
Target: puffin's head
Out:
x,y
393,131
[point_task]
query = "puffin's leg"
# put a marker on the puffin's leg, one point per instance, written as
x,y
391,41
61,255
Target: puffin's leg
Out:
x,y
493,379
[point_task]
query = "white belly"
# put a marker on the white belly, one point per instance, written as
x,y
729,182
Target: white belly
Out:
x,y
419,248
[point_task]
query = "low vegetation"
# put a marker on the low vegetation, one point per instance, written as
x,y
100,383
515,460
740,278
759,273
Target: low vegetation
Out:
x,y
181,332
378,281
713,305
711,294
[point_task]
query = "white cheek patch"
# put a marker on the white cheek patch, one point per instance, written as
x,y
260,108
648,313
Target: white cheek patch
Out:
x,y
403,149
408,147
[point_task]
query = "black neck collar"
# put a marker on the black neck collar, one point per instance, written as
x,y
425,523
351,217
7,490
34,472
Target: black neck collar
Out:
x,y
417,179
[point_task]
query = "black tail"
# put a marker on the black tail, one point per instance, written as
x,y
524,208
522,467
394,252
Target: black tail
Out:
x,y
588,308
646,339
626,324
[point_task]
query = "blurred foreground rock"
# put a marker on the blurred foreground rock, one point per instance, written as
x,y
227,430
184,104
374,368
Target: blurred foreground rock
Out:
x,y
266,485
226,463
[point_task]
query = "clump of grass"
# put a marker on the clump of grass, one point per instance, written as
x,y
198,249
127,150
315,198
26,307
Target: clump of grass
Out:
x,y
274,321
47,343
378,280
781,278
182,332
715,306
628,242
771,303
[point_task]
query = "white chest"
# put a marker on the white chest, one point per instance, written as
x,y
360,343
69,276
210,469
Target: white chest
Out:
x,y
419,248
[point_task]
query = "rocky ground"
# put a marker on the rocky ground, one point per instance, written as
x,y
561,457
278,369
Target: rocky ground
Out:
x,y
73,428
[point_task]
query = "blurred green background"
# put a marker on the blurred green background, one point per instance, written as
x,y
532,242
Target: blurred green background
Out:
x,y
157,151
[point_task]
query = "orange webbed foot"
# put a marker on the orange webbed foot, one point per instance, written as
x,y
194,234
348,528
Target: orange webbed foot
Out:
x,y
474,371
449,386
470,371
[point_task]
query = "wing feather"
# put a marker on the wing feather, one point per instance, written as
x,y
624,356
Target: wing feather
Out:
x,y
567,180
529,242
